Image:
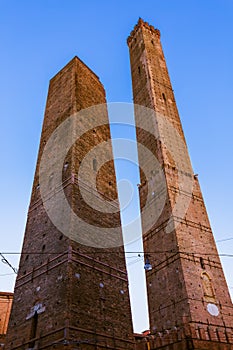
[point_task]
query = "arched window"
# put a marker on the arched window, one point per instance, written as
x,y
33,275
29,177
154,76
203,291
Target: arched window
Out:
x,y
208,288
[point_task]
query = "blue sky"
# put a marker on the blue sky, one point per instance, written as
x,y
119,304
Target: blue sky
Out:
x,y
38,38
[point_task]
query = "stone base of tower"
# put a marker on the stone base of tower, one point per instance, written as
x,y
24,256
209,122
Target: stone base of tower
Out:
x,y
187,338
70,338
186,345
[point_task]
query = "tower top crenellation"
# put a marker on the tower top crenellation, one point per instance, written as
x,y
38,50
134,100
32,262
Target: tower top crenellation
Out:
x,y
142,24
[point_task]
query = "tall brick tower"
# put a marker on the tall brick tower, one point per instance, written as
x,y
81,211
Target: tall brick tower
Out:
x,y
189,302
68,293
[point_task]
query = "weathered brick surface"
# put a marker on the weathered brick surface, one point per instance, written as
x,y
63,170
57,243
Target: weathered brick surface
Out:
x,y
187,273
6,299
69,295
81,292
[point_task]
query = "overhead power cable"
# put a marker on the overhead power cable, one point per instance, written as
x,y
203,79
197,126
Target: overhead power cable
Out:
x,y
109,252
224,240
5,261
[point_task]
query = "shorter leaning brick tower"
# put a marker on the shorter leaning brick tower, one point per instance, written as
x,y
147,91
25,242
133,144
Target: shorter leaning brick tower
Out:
x,y
69,295
189,303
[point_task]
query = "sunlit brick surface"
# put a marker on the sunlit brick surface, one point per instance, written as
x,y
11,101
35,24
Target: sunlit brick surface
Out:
x,y
189,302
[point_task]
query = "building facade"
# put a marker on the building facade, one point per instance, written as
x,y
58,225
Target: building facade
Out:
x,y
72,286
6,299
189,302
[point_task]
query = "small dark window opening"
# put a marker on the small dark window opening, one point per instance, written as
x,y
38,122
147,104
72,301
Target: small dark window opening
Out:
x,y
164,97
33,330
139,70
152,42
202,263
94,164
43,247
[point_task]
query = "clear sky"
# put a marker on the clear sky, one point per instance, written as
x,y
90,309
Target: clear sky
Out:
x,y
38,38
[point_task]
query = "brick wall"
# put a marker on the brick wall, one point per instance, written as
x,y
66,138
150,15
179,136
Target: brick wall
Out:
x,y
67,291
6,299
186,285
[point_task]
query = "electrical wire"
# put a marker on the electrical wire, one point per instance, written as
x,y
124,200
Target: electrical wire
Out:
x,y
129,252
139,257
224,240
135,261
5,261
